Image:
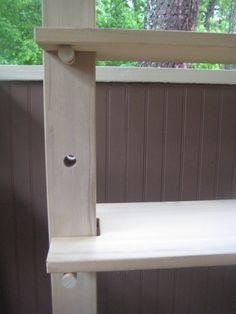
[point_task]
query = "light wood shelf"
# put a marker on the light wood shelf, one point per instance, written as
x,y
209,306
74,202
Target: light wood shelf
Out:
x,y
151,236
138,45
133,235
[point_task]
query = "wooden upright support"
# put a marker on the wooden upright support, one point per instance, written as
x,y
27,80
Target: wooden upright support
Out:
x,y
69,98
69,91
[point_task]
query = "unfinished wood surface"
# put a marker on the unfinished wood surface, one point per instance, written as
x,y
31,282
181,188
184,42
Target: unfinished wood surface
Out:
x,y
69,95
117,44
152,235
70,133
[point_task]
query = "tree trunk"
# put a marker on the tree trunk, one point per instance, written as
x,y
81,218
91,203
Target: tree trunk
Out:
x,y
231,29
209,13
171,15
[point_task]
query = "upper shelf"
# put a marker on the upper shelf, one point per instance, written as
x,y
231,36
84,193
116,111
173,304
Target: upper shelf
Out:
x,y
139,45
150,236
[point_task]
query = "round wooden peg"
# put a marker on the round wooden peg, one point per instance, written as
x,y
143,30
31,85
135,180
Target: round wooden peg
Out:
x,y
69,280
66,54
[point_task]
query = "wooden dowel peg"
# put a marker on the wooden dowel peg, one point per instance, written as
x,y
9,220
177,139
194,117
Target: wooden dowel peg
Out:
x,y
66,54
69,280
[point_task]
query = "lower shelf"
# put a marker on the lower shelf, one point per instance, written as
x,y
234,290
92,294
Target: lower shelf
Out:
x,y
150,236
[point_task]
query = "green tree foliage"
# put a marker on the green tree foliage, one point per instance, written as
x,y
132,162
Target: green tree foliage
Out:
x,y
120,14
19,17
17,20
217,16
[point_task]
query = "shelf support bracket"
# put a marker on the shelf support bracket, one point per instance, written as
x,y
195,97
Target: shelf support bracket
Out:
x,y
66,54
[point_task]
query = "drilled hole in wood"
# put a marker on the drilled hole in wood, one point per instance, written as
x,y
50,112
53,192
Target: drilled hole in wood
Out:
x,y
98,227
69,160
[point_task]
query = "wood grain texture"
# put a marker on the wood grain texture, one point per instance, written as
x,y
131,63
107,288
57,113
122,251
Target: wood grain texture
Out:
x,y
70,129
71,13
69,98
117,44
152,235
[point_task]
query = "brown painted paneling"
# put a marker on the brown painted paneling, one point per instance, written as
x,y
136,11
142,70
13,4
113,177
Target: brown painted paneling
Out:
x,y
25,287
155,142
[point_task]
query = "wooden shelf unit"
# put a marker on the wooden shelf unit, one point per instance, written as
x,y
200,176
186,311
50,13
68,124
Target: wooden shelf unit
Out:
x,y
133,235
139,45
151,236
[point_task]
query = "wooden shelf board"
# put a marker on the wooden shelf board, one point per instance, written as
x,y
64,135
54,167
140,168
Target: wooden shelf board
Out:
x,y
139,45
151,236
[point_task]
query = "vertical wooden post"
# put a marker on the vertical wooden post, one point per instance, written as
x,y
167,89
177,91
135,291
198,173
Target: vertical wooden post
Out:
x,y
69,98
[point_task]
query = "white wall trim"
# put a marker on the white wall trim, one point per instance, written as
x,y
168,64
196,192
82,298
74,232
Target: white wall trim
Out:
x,y
120,74
115,74
21,72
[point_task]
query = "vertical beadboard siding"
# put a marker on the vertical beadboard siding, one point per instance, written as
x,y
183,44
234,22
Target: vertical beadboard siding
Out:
x,y
161,142
25,287
155,142
8,267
